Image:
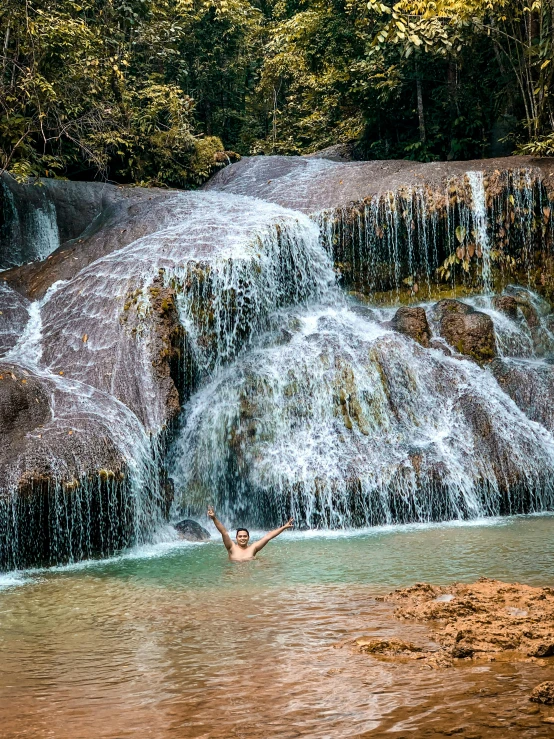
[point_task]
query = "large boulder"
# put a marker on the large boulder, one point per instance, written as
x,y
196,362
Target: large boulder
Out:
x,y
191,530
467,330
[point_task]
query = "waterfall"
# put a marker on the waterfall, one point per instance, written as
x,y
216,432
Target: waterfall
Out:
x,y
344,422
227,331
480,232
29,230
95,347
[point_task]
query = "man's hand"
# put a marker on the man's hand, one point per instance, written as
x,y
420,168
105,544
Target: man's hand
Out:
x,y
211,512
289,524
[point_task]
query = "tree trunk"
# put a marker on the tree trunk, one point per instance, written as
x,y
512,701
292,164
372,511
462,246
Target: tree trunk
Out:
x,y
420,112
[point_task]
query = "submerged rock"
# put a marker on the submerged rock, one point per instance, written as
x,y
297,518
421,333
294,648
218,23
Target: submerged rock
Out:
x,y
191,530
543,693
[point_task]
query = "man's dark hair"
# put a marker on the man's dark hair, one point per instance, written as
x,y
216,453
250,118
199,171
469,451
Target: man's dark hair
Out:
x,y
247,532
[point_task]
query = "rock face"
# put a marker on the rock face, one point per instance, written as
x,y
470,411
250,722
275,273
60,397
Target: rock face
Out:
x,y
480,622
192,531
149,292
14,314
413,323
109,360
468,331
400,228
36,219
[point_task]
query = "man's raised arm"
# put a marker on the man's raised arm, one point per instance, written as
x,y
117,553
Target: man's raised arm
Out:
x,y
272,534
221,528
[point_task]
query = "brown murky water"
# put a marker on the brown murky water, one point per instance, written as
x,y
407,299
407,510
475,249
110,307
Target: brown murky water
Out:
x,y
176,642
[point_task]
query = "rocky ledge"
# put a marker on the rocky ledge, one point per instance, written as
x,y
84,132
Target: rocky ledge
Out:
x,y
486,621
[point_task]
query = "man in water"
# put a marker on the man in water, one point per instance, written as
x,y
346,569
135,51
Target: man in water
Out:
x,y
241,550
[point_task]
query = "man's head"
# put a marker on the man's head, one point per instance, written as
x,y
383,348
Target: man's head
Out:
x,y
242,538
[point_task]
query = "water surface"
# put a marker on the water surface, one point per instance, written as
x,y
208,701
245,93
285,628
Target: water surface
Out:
x,y
174,641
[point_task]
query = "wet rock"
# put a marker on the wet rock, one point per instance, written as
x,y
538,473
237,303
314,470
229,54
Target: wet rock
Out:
x,y
506,304
524,302
385,646
449,306
413,323
441,346
100,219
461,651
543,693
14,314
67,460
191,530
481,620
545,649
530,385
336,153
470,332
24,405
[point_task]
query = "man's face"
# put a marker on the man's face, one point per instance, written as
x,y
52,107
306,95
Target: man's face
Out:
x,y
242,539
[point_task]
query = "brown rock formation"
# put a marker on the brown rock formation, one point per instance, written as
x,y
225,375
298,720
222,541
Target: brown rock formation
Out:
x,y
413,323
470,332
486,620
543,693
506,304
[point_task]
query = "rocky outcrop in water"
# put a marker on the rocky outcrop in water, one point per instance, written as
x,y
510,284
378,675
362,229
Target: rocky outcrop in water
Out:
x,y
483,621
191,530
543,693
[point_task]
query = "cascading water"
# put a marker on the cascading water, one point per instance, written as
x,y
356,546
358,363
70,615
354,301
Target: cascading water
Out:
x,y
96,346
480,232
31,231
342,422
303,401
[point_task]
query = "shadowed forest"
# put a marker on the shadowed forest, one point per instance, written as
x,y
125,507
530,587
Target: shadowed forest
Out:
x,y
153,91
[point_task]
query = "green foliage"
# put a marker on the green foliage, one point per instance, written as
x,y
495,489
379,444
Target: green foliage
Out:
x,y
97,86
145,90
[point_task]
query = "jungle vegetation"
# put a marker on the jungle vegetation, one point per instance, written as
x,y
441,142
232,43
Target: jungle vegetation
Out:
x,y
148,91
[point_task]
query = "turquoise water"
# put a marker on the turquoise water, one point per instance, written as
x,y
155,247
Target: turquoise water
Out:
x,y
172,640
519,547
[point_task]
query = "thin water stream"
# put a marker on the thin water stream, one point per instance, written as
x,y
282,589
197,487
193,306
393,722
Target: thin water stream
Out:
x,y
174,641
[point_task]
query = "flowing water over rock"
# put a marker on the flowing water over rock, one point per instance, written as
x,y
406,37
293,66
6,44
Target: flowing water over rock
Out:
x,y
343,422
111,349
217,322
